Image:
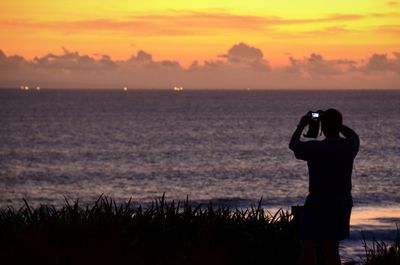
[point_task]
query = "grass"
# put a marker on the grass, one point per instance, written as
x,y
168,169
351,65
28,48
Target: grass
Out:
x,y
163,233
378,253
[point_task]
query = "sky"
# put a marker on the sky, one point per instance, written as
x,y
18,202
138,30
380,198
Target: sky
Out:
x,y
200,44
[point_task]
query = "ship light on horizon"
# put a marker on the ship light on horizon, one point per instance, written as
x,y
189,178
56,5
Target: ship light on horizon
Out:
x,y
178,88
125,88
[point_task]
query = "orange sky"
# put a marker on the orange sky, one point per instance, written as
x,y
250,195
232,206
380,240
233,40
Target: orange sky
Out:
x,y
200,30
351,43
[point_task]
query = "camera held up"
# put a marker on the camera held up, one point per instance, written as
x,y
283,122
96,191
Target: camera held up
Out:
x,y
313,124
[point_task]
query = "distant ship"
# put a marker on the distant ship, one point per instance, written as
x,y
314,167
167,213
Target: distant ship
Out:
x,y
178,88
26,88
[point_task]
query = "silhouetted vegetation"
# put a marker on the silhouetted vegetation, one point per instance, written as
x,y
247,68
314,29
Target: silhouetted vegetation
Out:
x,y
378,253
163,233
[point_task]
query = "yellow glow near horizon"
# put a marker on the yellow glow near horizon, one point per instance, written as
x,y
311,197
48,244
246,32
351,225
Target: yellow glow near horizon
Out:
x,y
200,30
374,216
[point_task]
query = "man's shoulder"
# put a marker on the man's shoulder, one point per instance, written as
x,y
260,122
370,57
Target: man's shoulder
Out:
x,y
353,140
342,144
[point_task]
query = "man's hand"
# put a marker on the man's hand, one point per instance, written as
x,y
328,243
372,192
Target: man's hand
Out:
x,y
305,120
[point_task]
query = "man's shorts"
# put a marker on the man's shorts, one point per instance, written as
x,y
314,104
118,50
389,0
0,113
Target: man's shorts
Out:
x,y
326,217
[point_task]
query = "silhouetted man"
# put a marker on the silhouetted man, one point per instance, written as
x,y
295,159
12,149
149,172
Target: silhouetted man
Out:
x,y
328,206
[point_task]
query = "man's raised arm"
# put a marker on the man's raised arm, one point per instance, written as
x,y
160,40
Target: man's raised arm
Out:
x,y
297,133
352,136
296,136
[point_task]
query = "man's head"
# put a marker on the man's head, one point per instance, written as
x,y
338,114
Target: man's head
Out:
x,y
331,122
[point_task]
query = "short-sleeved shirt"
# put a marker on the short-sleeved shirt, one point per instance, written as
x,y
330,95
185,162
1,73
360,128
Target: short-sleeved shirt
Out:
x,y
330,163
328,206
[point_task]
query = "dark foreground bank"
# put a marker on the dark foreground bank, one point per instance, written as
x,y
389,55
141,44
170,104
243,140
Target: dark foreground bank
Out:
x,y
163,233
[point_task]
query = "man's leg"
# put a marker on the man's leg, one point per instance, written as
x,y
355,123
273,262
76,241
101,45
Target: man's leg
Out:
x,y
308,253
331,252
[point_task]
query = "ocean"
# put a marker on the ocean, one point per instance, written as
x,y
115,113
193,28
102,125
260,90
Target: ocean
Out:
x,y
224,147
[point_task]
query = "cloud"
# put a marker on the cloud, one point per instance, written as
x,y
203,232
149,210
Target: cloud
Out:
x,y
145,60
330,18
381,62
315,64
243,55
392,3
71,69
323,32
173,24
71,61
242,66
385,15
177,23
10,63
389,29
